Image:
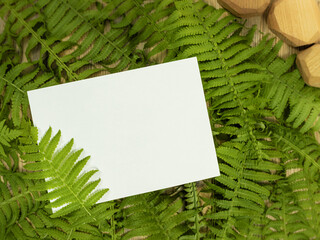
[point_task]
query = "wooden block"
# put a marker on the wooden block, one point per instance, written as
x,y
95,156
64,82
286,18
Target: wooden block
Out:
x,y
296,22
245,8
308,62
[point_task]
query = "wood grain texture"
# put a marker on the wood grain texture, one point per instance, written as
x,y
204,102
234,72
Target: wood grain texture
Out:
x,y
262,26
245,8
308,62
296,22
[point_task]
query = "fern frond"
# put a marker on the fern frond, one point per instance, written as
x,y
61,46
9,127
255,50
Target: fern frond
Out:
x,y
196,222
154,216
20,15
6,136
111,49
39,225
8,50
147,22
232,82
16,81
241,190
28,25
286,218
305,147
243,85
302,175
17,199
61,170
286,90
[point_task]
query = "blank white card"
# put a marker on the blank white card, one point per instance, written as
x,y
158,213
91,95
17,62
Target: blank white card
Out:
x,y
145,129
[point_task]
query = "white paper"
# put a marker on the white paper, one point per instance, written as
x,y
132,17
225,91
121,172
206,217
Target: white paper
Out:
x,y
145,129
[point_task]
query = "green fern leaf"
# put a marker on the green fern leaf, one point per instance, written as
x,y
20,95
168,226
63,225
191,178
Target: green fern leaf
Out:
x,y
17,200
16,84
66,192
286,218
7,135
286,89
196,222
155,216
307,149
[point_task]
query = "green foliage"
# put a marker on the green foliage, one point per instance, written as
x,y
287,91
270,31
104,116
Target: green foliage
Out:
x,y
287,89
25,210
286,218
196,222
111,49
30,27
263,119
17,80
146,24
155,216
68,188
17,200
6,136
240,191
303,175
39,225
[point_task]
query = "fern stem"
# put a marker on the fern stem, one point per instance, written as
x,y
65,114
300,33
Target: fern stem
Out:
x,y
195,206
227,225
284,221
42,42
113,226
70,233
13,85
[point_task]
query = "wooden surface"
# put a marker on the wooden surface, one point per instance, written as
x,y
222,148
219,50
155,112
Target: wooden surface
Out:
x,y
308,62
296,22
245,8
